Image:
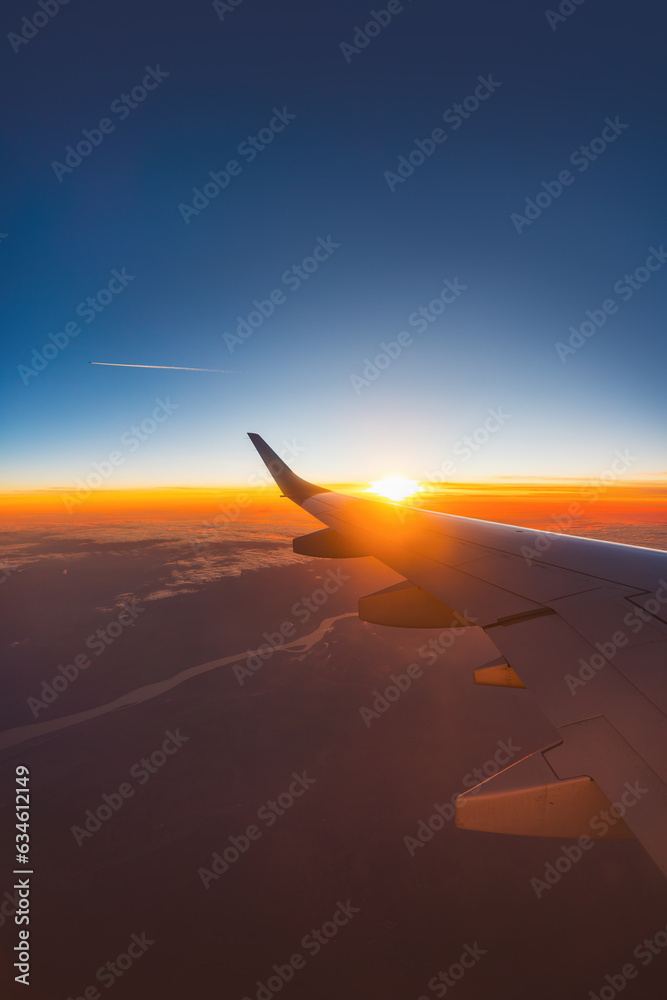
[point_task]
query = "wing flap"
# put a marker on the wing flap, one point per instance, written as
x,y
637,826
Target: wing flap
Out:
x,y
638,796
528,799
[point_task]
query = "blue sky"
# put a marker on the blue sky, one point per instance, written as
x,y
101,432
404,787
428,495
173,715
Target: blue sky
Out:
x,y
321,181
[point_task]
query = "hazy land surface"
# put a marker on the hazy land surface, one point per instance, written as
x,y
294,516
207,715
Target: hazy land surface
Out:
x,y
241,745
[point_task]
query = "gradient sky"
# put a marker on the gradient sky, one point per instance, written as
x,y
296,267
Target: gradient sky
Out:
x,y
323,176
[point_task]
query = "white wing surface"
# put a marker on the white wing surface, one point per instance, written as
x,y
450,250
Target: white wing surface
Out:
x,y
581,623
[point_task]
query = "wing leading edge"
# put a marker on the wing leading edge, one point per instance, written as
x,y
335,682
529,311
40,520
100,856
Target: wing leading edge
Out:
x,y
579,622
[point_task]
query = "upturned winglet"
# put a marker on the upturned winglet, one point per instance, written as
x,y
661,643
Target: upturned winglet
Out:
x,y
291,485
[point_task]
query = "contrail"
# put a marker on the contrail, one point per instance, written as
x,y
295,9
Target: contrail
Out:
x,y
177,368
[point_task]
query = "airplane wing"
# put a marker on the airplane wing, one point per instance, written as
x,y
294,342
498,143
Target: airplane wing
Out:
x,y
579,622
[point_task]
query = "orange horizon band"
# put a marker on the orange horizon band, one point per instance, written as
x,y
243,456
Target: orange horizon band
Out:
x,y
495,500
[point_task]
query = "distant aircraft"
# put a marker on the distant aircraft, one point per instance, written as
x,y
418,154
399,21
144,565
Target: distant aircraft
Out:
x,y
173,368
581,623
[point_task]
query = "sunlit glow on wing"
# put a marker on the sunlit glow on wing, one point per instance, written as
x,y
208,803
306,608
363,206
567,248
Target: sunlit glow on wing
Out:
x,y
394,487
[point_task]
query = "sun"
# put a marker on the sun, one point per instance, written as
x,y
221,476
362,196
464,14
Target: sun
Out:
x,y
394,487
